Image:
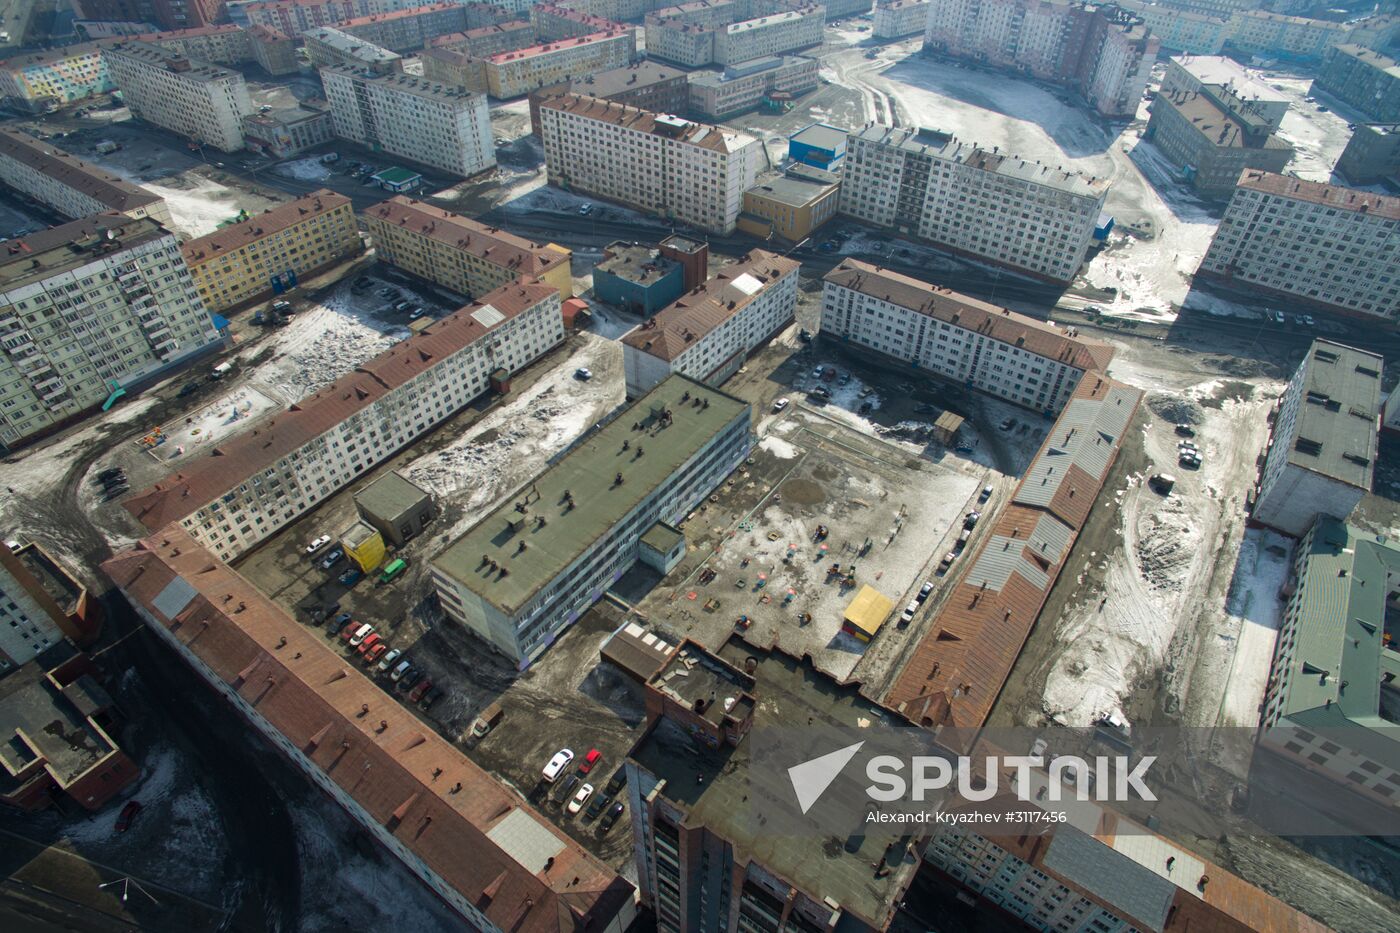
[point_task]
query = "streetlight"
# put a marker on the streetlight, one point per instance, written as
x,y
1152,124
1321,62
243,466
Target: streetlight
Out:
x,y
128,883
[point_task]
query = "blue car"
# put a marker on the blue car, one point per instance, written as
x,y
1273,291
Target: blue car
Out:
x,y
351,576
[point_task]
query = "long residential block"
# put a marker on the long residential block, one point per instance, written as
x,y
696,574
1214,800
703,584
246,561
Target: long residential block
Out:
x,y
411,117
511,74
1025,361
272,251
255,483
294,17
1332,247
992,205
661,164
86,308
707,333
203,102
329,46
526,571
728,32
460,253
69,185
225,44
408,30
896,19
1363,78
43,81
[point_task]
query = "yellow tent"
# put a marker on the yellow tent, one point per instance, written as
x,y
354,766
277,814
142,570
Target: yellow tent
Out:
x,y
866,613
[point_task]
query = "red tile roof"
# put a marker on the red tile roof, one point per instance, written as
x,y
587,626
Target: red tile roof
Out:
x,y
944,304
115,193
639,120
1343,199
230,463
471,236
556,45
397,14
402,773
236,236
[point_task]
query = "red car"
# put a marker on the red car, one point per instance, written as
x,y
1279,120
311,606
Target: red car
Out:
x,y
590,760
369,643
375,653
419,689
128,814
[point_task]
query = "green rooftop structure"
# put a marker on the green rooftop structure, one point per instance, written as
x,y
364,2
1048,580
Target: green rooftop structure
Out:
x,y
550,550
1333,697
398,179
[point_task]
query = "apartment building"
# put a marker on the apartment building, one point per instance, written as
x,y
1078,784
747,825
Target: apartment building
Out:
x,y
1297,38
286,131
791,205
1030,217
1212,135
328,46
459,253
407,30
257,482
777,33
1219,74
85,308
1322,449
1329,700
1330,247
1372,154
271,252
294,17
412,118
484,41
1027,362
522,574
1363,78
728,32
845,9
274,52
709,332
661,164
718,95
1182,30
41,604
223,45
1105,53
44,81
895,19
552,22
512,74
203,102
163,14
646,85
69,185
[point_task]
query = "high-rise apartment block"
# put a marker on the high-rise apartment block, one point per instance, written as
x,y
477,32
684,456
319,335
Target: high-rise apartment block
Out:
x,y
163,14
223,45
42,81
408,30
40,605
709,332
482,41
895,19
329,46
1222,75
1025,361
203,102
1214,134
526,571
69,185
511,74
413,118
646,85
86,308
1275,35
273,251
294,17
1034,218
274,51
1104,53
1364,79
255,483
460,253
727,32
1372,154
661,164
1182,30
1331,247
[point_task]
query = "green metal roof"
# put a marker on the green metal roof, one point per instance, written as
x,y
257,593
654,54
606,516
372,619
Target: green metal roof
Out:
x,y
389,496
1336,429
396,175
537,517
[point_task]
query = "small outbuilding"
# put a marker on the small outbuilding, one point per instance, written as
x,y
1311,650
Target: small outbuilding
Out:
x,y
397,508
364,545
866,613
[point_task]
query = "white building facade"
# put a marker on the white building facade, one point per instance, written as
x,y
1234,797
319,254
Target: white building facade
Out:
x,y
664,165
408,116
896,19
1335,248
766,36
517,72
1022,360
1035,218
69,185
204,102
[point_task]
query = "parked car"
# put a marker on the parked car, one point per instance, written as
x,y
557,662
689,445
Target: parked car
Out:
x,y
1185,430
558,763
985,494
592,758
318,543
583,373
128,815
333,558
399,672
907,615
369,642
375,653
1162,482
390,659
411,679
360,634
1308,320
402,305
430,698
924,590
615,782
614,813
337,625
780,404
970,519
351,577
188,389
580,798
821,392
420,688
585,209
110,472
115,491
948,559
564,788
596,807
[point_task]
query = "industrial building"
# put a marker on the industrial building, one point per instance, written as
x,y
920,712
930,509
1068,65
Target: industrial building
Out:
x,y
708,333
202,102
646,85
819,146
718,95
1332,691
1213,135
1363,78
792,205
1104,53
529,569
1023,360
895,19
1326,246
637,278
139,314
687,172
326,45
1372,154
1034,218
515,73
286,131
255,483
271,252
481,847
412,118
1322,450
42,81
70,186
459,253
396,507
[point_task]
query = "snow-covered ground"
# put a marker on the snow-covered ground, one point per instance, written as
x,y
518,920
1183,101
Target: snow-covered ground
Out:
x,y
1255,606
304,170
200,208
210,424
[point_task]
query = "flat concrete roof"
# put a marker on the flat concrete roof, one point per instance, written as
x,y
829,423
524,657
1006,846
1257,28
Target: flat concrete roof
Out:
x,y
72,245
642,265
587,473
790,190
1335,432
389,496
38,720
821,136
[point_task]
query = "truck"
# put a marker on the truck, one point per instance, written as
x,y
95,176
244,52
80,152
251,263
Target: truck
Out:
x,y
393,570
486,721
